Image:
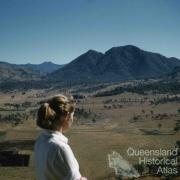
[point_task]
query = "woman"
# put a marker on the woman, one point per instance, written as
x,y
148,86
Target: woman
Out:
x,y
54,159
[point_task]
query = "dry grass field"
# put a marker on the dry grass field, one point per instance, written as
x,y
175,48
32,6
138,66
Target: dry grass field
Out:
x,y
117,123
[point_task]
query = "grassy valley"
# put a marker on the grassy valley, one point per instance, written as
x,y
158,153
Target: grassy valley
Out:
x,y
109,117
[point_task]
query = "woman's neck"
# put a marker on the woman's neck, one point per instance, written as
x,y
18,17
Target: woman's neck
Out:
x,y
60,129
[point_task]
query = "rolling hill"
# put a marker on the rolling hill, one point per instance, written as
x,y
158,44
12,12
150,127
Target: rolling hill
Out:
x,y
117,64
43,68
13,72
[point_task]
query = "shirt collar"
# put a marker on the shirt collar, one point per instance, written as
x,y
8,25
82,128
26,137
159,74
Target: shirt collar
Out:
x,y
58,134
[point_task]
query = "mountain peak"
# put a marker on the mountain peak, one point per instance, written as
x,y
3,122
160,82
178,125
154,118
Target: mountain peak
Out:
x,y
123,48
91,51
116,64
47,62
90,54
130,46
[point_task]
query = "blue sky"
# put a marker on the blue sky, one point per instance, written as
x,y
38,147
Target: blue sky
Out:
x,y
33,31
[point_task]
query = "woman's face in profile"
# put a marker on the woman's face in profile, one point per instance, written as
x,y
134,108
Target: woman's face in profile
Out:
x,y
71,118
68,121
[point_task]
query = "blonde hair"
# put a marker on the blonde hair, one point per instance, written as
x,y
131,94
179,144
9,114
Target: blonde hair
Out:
x,y
52,110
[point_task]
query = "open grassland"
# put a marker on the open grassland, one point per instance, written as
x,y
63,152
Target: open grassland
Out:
x,y
106,124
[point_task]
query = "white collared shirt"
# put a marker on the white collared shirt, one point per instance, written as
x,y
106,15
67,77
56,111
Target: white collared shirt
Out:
x,y
54,159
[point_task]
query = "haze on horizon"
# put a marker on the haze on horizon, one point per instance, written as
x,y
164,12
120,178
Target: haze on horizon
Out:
x,y
34,31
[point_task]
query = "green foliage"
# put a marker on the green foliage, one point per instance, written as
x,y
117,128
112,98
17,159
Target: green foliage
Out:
x,y
178,144
12,118
24,85
159,125
156,87
82,113
140,168
166,100
177,127
26,104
